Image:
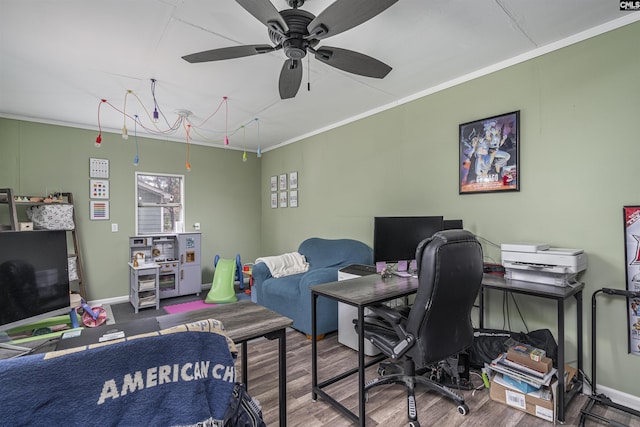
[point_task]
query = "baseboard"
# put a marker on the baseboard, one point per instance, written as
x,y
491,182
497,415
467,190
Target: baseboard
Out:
x,y
617,396
106,301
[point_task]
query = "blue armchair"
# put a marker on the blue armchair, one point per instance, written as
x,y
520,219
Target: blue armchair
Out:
x,y
291,296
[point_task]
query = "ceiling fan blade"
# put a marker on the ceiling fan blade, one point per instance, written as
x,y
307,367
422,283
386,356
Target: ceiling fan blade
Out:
x,y
343,15
228,53
265,12
352,62
290,78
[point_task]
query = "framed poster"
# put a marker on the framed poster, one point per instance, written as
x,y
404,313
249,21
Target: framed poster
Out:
x,y
274,200
490,154
293,198
283,199
282,183
632,271
99,189
98,168
293,180
274,183
98,209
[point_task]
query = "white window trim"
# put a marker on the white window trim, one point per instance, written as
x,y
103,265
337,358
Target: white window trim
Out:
x,y
136,204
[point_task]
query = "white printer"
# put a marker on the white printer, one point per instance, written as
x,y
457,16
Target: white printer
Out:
x,y
540,263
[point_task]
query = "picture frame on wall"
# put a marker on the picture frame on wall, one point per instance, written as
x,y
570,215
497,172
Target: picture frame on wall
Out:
x,y
489,158
98,210
293,180
282,182
631,218
293,198
283,199
274,183
274,200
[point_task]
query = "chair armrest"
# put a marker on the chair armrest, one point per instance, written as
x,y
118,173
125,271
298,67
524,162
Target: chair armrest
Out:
x,y
387,313
397,321
259,273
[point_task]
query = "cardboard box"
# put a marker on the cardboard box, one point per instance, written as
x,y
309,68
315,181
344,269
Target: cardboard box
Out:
x,y
540,403
544,365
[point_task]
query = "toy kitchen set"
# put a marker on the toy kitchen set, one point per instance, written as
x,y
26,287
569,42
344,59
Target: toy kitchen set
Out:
x,y
177,255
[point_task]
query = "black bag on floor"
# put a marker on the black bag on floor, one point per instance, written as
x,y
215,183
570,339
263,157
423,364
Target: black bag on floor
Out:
x,y
489,343
243,411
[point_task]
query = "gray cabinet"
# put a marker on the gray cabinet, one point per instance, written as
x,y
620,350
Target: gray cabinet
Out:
x,y
189,247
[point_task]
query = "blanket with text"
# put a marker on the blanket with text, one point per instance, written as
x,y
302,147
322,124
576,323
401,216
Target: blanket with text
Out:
x,y
179,376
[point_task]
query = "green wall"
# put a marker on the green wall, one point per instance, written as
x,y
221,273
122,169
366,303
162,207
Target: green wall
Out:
x,y
222,193
579,160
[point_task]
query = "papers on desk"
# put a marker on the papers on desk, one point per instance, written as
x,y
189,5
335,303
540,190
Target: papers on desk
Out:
x,y
402,274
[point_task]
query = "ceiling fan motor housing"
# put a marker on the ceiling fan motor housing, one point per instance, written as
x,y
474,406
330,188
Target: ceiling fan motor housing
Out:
x,y
294,43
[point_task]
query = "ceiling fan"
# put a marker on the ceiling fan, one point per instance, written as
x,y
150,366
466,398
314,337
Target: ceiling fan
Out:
x,y
297,32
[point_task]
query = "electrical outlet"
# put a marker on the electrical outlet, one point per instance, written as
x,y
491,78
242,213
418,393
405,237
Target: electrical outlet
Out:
x,y
196,226
114,228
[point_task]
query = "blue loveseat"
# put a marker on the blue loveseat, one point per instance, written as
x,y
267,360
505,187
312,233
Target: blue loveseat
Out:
x,y
291,296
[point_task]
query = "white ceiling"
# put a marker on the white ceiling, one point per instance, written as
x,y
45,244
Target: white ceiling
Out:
x,y
58,59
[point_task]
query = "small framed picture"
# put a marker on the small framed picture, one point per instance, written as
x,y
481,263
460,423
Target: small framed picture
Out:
x,y
490,154
274,183
282,182
283,199
99,189
274,200
293,180
98,209
293,198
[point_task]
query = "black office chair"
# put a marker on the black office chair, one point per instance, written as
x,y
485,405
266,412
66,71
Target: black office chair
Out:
x,y
438,325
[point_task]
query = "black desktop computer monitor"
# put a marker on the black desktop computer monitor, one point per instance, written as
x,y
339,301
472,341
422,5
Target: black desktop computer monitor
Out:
x,y
34,277
452,224
396,238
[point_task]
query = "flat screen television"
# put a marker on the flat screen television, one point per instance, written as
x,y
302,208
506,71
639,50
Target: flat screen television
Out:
x,y
395,238
34,277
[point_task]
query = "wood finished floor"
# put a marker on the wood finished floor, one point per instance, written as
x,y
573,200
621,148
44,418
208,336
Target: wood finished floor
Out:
x,y
386,405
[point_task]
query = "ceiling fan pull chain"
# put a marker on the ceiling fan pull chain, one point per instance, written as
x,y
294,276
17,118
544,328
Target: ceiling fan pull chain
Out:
x,y
308,74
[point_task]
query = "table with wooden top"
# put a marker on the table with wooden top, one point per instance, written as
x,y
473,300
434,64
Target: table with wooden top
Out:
x,y
244,321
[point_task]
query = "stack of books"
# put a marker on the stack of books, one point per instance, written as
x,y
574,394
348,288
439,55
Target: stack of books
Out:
x,y
525,367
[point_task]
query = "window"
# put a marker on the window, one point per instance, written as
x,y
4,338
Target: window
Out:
x,y
159,203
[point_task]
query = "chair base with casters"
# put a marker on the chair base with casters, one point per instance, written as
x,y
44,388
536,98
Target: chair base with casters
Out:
x,y
410,378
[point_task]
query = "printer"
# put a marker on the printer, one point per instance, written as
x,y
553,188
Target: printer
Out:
x,y
540,263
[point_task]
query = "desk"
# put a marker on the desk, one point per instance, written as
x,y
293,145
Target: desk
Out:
x,y
359,292
560,294
244,321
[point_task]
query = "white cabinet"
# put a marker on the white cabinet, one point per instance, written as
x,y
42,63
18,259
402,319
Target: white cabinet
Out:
x,y
143,286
